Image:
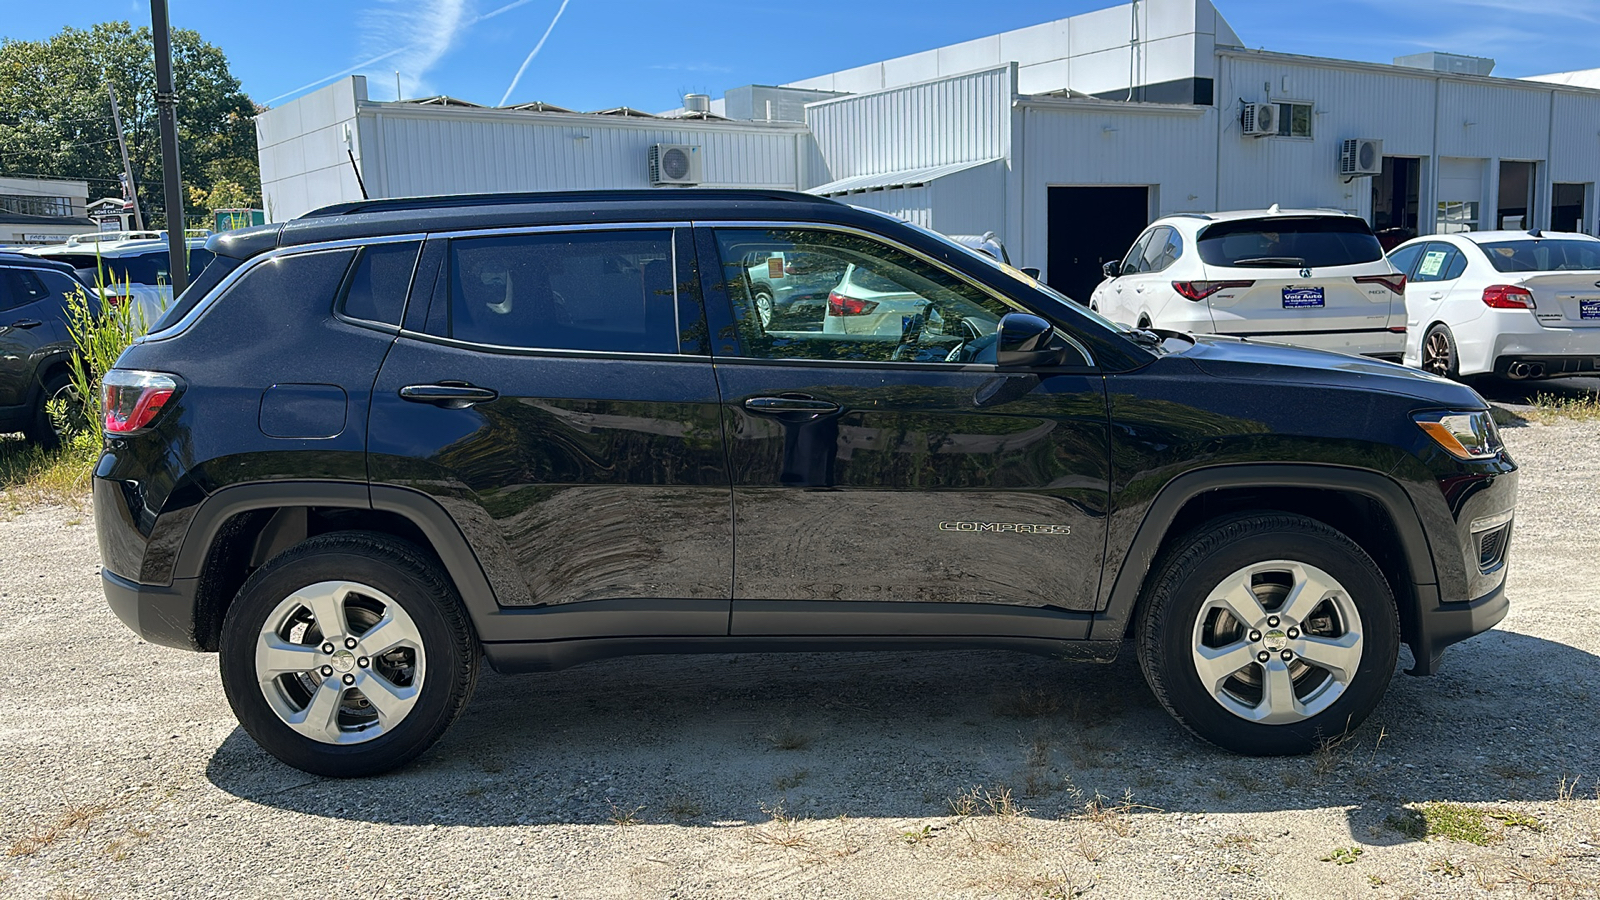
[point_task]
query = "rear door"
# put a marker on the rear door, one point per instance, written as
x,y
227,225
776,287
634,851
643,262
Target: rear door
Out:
x,y
888,484
556,398
31,328
1292,276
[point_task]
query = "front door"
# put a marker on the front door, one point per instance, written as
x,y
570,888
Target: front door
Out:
x,y
881,477
560,407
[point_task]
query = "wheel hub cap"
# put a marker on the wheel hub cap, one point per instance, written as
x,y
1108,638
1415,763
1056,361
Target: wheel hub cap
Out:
x,y
344,661
1273,640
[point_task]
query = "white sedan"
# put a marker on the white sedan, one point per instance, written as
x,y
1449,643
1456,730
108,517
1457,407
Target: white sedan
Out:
x,y
1518,304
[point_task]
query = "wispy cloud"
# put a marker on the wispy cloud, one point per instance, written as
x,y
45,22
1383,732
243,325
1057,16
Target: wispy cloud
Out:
x,y
421,33
535,52
421,40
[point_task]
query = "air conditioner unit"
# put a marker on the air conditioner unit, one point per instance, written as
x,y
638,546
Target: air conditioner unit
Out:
x,y
1361,156
675,164
1259,119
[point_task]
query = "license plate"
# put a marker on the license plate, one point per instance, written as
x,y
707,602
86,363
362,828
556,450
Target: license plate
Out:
x,y
1302,298
1589,309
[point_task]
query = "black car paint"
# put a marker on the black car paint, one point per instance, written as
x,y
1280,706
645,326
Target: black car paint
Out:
x,y
574,473
35,339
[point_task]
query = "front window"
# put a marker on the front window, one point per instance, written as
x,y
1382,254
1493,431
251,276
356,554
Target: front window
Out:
x,y
1290,242
847,297
1531,255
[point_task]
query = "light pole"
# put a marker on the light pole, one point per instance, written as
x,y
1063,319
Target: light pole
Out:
x,y
167,102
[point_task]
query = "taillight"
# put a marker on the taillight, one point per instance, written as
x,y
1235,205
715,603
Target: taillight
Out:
x,y
1507,296
132,399
840,305
1199,290
1396,283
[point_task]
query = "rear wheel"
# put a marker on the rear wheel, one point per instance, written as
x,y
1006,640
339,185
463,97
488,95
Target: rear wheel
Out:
x,y
44,430
1439,352
348,655
1267,634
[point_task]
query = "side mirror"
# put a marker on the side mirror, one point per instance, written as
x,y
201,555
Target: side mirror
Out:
x,y
1031,272
1112,268
1025,340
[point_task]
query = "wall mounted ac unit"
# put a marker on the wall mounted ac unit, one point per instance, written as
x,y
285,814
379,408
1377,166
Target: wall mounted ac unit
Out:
x,y
1259,119
1361,156
675,164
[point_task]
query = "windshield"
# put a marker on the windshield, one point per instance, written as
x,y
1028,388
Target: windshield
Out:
x,y
1290,242
1534,255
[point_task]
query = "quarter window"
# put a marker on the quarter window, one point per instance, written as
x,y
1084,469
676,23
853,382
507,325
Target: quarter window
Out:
x,y
839,296
608,291
377,288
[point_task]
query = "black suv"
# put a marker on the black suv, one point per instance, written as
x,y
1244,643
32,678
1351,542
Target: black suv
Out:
x,y
380,441
36,345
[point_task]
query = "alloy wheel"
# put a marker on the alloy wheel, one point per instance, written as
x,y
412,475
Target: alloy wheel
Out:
x,y
1277,642
1436,353
340,662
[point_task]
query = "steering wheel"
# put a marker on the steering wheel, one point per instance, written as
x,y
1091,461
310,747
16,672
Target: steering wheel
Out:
x,y
967,348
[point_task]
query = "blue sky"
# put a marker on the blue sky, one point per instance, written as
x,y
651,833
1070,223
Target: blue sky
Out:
x,y
628,52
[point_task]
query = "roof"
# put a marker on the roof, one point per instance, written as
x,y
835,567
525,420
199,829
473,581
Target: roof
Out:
x,y
112,249
33,262
1484,237
1233,215
902,178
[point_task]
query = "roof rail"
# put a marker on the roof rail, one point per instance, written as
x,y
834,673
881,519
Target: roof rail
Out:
x,y
449,201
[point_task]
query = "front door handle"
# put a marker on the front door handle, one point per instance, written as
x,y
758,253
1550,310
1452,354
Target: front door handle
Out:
x,y
26,323
779,405
448,396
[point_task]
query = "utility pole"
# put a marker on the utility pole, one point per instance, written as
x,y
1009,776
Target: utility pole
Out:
x,y
127,167
167,102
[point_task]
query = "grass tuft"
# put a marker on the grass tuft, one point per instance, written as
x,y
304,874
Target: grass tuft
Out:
x,y
1549,408
1459,822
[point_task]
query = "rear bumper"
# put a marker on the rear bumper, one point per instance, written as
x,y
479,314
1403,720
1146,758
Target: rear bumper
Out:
x,y
1546,366
1441,624
160,615
1378,342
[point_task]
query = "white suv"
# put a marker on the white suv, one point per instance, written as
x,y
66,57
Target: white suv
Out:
x,y
1312,277
133,271
1521,304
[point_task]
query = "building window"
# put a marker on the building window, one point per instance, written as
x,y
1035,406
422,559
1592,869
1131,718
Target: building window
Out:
x,y
32,205
1294,120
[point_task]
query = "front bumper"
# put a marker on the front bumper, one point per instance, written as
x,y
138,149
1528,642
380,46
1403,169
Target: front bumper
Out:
x,y
1441,624
160,615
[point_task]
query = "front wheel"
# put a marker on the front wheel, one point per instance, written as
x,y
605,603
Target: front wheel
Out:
x,y
1268,634
348,655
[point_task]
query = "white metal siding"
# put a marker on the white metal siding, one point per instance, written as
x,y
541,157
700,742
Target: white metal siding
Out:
x,y
440,154
910,203
960,119
1173,151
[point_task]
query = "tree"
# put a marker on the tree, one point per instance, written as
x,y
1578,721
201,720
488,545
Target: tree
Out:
x,y
55,115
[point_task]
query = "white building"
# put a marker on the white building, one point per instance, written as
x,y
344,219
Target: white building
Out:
x,y
42,210
1064,138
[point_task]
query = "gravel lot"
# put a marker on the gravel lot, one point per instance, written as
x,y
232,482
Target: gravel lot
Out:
x,y
840,775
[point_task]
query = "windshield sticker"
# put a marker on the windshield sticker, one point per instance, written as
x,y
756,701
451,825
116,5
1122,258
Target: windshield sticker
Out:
x,y
1302,298
1432,262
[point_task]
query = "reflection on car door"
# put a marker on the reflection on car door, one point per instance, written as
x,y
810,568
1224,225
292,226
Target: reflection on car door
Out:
x,y
865,471
31,328
558,403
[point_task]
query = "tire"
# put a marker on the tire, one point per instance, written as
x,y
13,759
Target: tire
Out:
x,y
41,428
386,591
1185,625
1439,355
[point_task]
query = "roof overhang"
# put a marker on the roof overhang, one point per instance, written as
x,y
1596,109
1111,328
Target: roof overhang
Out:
x,y
899,179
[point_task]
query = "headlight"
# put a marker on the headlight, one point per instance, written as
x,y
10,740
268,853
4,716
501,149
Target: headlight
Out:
x,y
1464,435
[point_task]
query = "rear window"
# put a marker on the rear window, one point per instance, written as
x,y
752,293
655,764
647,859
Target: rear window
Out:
x,y
604,291
1543,255
1290,242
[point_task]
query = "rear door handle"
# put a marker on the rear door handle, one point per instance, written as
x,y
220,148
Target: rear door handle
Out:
x,y
26,323
448,396
1436,295
777,405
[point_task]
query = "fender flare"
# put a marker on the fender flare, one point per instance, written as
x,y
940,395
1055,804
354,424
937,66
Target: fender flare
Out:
x,y
1153,531
423,511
